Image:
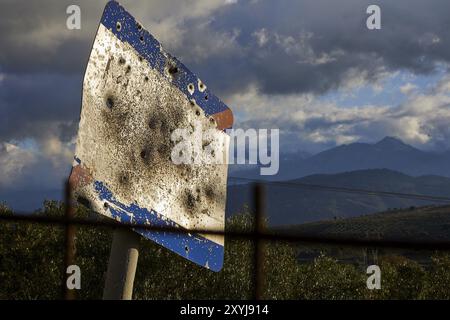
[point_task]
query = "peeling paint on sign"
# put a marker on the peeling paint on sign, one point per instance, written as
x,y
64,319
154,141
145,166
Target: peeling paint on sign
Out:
x,y
134,96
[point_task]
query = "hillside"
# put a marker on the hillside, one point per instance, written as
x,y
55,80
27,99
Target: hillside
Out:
x,y
294,205
425,223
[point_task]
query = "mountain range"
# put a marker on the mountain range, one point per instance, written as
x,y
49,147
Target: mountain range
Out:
x,y
301,200
389,153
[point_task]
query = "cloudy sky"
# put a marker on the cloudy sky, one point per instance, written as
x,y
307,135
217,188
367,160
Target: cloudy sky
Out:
x,y
308,67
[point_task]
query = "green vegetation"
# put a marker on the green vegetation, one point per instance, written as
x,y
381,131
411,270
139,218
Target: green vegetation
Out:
x,y
31,258
422,223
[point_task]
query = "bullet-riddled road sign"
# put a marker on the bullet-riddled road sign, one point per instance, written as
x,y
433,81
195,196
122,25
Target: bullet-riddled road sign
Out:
x,y
135,95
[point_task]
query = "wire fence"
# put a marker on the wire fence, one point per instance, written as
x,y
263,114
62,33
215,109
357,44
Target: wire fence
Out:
x,y
259,235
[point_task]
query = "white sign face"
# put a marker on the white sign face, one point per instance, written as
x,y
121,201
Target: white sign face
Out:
x,y
137,99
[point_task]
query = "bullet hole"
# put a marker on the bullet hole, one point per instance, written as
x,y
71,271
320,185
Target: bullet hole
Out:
x,y
110,102
85,202
201,86
209,192
197,112
128,69
121,60
144,154
206,97
118,26
190,200
146,79
186,248
105,205
205,144
124,179
138,96
139,26
153,123
191,88
192,102
212,120
173,70
141,38
141,59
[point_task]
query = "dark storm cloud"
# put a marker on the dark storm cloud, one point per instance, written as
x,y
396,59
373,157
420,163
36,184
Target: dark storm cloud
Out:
x,y
282,47
311,45
34,37
414,36
38,104
41,66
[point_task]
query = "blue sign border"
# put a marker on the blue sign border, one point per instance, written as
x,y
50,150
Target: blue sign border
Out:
x,y
149,49
193,247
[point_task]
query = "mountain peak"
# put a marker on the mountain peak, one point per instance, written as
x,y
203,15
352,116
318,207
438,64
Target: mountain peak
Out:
x,y
391,141
394,144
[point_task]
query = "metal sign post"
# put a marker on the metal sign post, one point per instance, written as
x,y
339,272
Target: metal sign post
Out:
x,y
137,98
122,265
